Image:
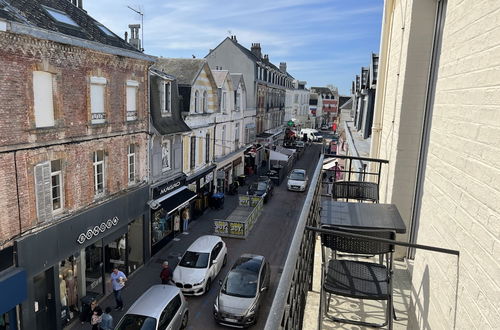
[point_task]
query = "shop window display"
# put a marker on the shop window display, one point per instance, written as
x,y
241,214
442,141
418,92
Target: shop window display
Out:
x,y
161,226
94,269
68,289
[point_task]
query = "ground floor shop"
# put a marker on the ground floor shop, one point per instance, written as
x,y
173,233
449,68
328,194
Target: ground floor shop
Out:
x,y
201,183
170,208
227,171
75,257
12,290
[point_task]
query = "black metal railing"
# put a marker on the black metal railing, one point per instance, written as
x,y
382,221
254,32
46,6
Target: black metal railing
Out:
x,y
287,310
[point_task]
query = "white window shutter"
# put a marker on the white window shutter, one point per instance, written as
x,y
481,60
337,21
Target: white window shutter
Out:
x,y
43,191
43,99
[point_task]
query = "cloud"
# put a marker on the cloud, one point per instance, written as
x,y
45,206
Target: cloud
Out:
x,y
319,39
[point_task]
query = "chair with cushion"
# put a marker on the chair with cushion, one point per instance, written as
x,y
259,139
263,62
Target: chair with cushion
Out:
x,y
357,279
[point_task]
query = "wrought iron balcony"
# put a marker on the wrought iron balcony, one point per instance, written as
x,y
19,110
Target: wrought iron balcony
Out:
x,y
297,303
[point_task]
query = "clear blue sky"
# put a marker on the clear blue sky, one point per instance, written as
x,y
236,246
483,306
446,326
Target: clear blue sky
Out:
x,y
322,41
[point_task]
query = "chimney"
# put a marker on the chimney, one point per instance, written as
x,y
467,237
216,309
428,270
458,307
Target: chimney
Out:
x,y
126,36
233,38
266,58
256,50
135,41
283,67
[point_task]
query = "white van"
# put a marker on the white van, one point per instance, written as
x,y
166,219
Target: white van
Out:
x,y
312,134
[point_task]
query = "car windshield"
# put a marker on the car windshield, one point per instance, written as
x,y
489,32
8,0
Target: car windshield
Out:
x,y
194,260
299,176
240,283
136,322
259,186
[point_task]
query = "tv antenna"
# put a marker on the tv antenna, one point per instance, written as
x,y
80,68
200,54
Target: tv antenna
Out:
x,y
138,11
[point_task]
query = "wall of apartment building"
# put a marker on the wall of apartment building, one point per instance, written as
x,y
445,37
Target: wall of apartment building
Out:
x,y
72,68
72,138
460,196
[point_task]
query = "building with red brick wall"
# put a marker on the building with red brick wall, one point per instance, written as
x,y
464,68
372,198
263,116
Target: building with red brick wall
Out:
x,y
73,159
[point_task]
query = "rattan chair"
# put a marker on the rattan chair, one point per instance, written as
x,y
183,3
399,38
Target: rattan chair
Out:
x,y
357,279
357,190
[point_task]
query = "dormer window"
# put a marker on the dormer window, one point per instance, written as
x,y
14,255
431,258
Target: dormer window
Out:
x,y
60,16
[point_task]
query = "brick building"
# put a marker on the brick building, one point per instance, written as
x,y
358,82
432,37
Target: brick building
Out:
x,y
73,155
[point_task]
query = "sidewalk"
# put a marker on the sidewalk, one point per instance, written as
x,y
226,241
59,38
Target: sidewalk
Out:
x,y
149,273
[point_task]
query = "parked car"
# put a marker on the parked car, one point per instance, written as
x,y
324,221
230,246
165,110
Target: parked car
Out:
x,y
242,291
300,144
297,180
262,188
200,265
325,127
160,307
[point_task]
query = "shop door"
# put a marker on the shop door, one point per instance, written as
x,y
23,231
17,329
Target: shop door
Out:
x,y
45,311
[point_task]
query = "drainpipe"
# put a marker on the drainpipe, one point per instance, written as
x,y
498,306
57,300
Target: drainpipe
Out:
x,y
381,85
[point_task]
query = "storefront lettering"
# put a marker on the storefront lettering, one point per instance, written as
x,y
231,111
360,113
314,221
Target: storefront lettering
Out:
x,y
169,188
91,232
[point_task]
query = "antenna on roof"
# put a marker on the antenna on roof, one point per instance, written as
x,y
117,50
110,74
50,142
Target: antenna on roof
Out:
x,y
229,33
142,23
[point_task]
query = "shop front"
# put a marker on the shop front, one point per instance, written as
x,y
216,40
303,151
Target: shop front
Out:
x,y
228,169
202,184
13,293
75,257
170,200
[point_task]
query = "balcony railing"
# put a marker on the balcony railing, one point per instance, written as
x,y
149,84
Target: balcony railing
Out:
x,y
296,282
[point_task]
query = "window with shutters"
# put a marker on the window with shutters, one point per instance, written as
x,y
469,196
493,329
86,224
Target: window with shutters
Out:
x,y
56,186
197,102
166,155
167,99
237,135
43,98
97,102
43,191
237,98
131,163
207,148
99,174
205,101
193,152
224,102
132,87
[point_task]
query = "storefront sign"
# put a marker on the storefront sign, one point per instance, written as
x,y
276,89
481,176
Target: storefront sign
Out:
x,y
220,227
97,230
168,187
237,229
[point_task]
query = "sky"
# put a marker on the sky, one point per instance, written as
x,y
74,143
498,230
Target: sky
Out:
x,y
322,41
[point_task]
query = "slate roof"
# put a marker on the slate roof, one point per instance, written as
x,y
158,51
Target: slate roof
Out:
x,y
220,77
250,55
185,69
32,13
322,90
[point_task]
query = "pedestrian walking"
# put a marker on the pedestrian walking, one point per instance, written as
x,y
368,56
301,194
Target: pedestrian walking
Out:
x,y
330,184
185,220
166,273
107,320
118,280
96,318
338,171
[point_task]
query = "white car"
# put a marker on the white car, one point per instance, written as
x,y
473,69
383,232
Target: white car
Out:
x,y
297,180
200,265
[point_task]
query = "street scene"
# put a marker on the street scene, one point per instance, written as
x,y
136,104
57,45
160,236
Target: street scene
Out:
x,y
283,165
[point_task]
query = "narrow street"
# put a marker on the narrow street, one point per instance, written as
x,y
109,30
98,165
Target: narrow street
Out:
x,y
271,237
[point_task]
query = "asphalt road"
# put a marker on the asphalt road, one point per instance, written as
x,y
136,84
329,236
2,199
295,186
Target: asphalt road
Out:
x,y
271,237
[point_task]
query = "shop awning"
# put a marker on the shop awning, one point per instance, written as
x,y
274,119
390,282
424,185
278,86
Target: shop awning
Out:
x,y
198,175
274,155
173,200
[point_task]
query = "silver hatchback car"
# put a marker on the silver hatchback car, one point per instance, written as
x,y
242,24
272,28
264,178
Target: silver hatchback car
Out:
x,y
160,307
242,291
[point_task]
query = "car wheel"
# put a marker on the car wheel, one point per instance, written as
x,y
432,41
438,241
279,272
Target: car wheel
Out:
x,y
185,320
207,286
224,262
